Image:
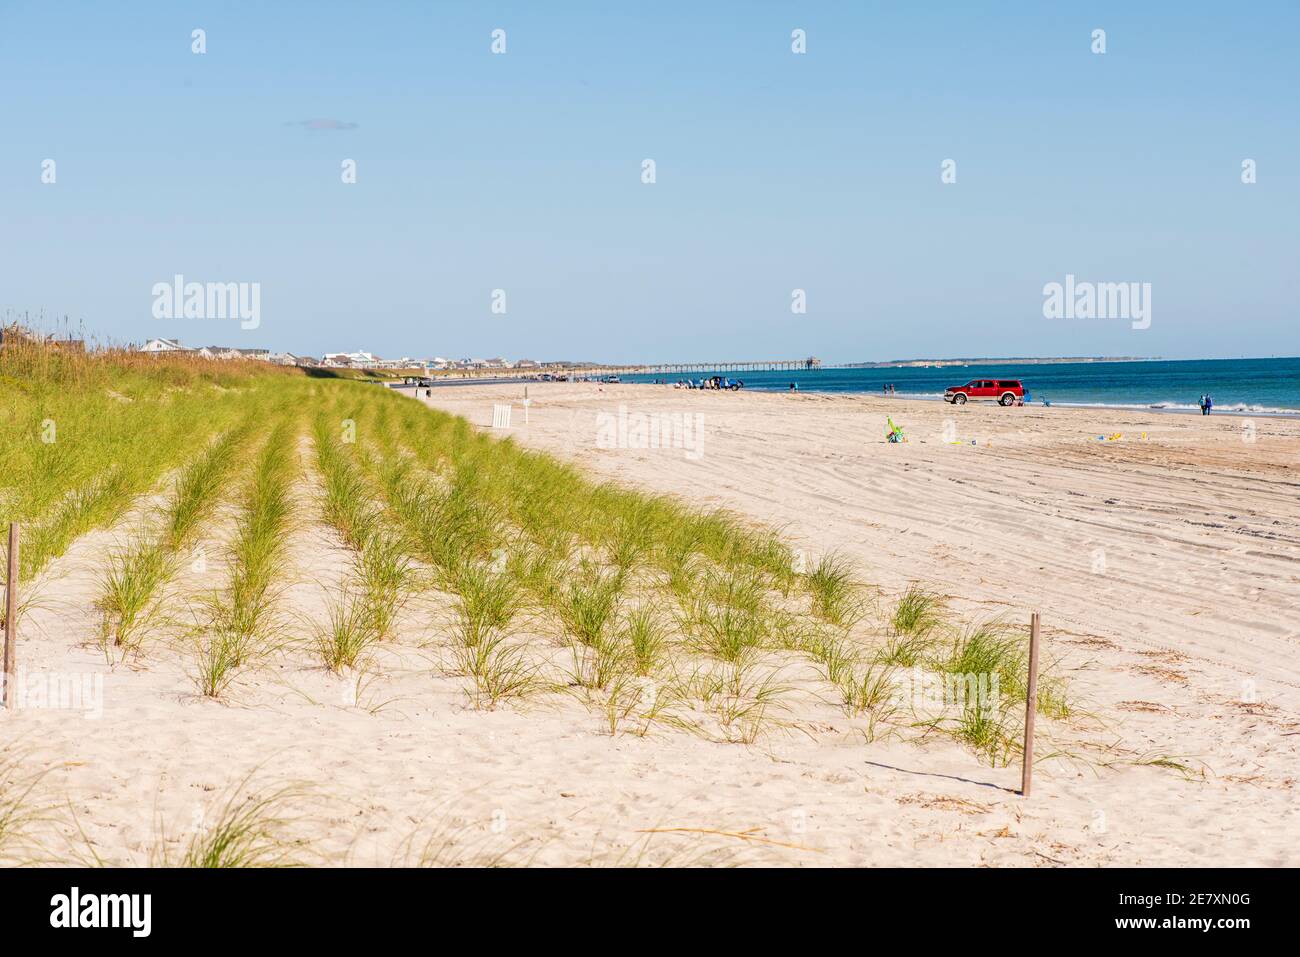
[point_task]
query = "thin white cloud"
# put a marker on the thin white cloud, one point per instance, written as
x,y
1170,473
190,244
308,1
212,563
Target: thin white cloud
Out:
x,y
323,124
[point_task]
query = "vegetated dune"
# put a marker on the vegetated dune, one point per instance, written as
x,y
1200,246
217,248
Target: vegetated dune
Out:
x,y
367,631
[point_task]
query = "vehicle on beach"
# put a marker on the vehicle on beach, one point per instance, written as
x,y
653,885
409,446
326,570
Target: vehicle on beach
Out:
x,y
1005,391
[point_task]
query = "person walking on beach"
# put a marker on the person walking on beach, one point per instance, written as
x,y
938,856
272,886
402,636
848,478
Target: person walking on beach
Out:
x,y
1209,404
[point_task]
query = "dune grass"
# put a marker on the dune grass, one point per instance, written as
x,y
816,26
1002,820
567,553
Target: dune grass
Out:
x,y
130,598
245,827
131,593
517,539
257,558
727,616
87,433
240,621
525,548
990,648
245,835
381,573
486,602
346,633
645,636
588,607
19,813
500,671
914,627
836,596
917,613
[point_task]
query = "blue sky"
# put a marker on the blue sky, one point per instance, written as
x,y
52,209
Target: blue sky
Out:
x,y
775,171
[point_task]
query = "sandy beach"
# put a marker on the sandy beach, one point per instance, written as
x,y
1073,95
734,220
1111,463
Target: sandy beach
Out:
x,y
1165,563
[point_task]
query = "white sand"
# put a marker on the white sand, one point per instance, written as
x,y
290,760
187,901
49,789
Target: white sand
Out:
x,y
1183,646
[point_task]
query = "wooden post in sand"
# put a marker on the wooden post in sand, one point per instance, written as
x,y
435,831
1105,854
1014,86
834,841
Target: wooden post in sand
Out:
x,y
11,615
1031,707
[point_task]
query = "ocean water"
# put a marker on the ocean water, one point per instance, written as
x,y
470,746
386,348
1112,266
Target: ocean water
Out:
x,y
1257,386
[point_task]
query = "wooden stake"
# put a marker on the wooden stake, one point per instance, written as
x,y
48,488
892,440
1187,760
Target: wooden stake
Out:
x,y
11,615
1031,707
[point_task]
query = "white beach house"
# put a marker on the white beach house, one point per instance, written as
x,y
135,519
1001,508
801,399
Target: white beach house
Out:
x,y
163,345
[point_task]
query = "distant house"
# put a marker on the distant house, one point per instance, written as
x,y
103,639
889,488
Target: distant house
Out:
x,y
230,352
218,352
354,360
305,361
163,345
527,364
282,359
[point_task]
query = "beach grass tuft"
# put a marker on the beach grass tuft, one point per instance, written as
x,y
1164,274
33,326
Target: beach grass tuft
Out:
x,y
249,829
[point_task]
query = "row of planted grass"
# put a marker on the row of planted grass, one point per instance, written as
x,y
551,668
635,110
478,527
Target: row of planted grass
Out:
x,y
241,622
366,609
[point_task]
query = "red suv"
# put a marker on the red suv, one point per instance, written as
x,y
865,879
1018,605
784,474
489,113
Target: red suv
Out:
x,y
1006,391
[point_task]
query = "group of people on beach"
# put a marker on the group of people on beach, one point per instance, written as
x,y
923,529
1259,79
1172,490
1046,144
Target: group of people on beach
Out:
x,y
887,388
714,382
1207,403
